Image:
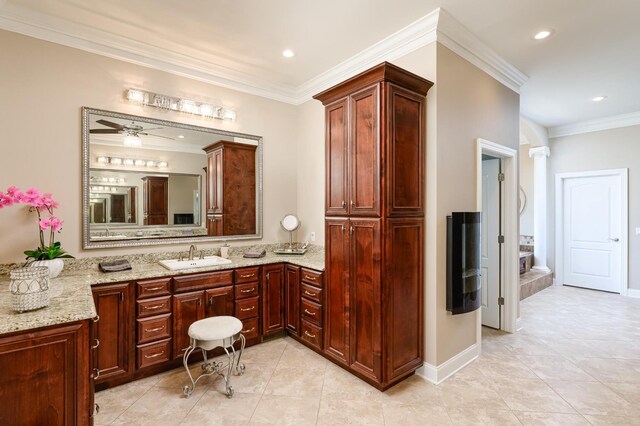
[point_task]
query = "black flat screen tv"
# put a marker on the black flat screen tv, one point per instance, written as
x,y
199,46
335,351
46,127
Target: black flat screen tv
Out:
x,y
464,258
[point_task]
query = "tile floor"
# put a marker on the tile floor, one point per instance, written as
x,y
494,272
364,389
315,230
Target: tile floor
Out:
x,y
576,361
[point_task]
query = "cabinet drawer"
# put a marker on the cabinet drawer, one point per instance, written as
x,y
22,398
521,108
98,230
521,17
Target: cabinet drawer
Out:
x,y
247,275
311,277
150,307
311,312
311,334
310,292
154,328
244,291
247,308
153,288
154,353
202,281
250,328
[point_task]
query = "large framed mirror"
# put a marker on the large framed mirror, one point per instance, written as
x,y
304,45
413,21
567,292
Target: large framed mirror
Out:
x,y
149,181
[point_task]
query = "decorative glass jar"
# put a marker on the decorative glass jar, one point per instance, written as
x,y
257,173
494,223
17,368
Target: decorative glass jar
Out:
x,y
29,288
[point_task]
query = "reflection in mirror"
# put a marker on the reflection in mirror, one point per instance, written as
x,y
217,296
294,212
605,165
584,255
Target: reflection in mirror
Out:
x,y
149,181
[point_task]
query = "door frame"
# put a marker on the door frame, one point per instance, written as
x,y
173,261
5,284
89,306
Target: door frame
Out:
x,y
509,251
624,233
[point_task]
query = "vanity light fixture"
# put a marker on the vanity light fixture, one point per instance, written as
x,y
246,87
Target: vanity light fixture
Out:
x,y
599,98
118,161
173,103
288,53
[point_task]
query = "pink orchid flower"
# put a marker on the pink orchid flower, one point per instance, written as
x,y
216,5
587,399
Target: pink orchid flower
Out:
x,y
49,202
56,224
15,194
45,224
32,197
5,200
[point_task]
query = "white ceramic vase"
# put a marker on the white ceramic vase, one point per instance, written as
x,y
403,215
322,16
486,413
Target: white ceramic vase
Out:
x,y
55,266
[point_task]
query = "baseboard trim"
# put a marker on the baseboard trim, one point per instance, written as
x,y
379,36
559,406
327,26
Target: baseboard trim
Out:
x,y
440,373
633,292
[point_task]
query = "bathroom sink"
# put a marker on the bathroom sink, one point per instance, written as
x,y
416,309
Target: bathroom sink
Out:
x,y
176,264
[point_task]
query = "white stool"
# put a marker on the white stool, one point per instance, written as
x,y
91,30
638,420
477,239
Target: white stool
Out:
x,y
208,334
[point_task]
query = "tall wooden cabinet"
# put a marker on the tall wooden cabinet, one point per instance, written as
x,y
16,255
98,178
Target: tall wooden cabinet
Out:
x,y
231,188
375,173
155,200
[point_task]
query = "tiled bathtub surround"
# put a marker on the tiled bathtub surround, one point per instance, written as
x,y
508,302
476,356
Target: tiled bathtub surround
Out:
x,y
574,362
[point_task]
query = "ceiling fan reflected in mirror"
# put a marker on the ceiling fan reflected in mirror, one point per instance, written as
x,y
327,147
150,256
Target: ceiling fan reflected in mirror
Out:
x,y
131,132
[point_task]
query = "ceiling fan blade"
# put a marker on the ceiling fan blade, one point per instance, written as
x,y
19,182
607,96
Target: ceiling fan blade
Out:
x,y
157,136
111,124
107,131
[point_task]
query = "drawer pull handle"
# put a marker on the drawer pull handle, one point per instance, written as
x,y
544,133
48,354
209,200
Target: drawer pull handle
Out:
x,y
151,330
96,408
249,331
96,345
247,276
247,309
307,277
160,287
313,336
96,373
97,318
310,294
154,307
313,314
154,355
251,290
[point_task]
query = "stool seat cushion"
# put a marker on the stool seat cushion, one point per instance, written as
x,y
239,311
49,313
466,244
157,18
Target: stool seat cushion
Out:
x,y
215,328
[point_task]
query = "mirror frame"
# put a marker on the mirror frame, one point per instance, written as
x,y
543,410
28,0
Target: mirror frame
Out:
x,y
86,162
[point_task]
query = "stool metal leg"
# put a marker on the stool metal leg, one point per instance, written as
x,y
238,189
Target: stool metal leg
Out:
x,y
240,367
187,390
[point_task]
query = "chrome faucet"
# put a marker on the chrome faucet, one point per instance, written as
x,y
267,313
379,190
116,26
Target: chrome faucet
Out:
x,y
192,251
106,233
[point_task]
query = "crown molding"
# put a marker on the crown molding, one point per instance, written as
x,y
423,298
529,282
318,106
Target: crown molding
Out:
x,y
410,38
438,25
113,46
462,41
607,123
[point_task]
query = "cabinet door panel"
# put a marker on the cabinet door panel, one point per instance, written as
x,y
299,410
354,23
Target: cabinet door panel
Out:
x,y
187,309
273,300
337,289
365,297
405,152
292,285
364,148
219,301
337,119
113,330
403,295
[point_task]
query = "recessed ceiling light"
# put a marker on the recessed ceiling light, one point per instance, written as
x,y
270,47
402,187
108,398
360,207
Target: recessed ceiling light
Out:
x,y
181,136
542,34
288,53
599,98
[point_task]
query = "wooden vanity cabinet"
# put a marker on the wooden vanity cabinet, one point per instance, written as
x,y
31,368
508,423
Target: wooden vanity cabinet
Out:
x,y
46,376
155,200
292,299
375,160
231,188
113,358
273,291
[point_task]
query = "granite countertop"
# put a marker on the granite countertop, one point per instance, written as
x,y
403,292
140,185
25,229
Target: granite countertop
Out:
x,y
75,303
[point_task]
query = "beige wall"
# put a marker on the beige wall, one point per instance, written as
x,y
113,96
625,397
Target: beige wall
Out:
x,y
470,105
608,149
526,183
41,133
181,195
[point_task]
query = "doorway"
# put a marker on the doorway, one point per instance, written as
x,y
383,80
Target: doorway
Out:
x,y
508,225
591,230
491,233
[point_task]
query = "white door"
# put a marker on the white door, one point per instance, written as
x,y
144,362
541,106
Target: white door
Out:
x,y
490,246
592,232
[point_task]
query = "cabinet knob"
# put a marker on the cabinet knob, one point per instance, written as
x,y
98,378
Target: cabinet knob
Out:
x,y
95,346
342,228
96,373
352,203
351,229
343,204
